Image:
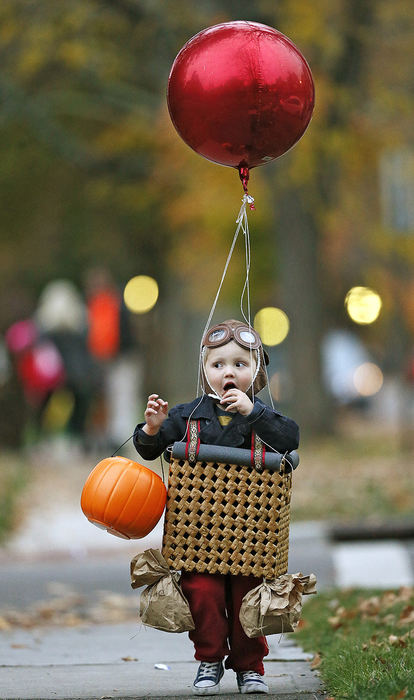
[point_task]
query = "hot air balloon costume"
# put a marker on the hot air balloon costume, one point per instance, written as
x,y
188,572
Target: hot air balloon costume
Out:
x,y
240,94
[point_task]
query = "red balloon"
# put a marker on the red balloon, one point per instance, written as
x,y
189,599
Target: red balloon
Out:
x,y
240,94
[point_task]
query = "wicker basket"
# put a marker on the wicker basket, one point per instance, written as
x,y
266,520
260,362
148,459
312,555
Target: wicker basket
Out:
x,y
227,519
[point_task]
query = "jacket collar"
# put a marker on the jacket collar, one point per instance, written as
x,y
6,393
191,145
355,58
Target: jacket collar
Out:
x,y
203,407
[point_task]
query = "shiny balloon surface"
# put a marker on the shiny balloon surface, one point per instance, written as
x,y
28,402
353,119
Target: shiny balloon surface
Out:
x,y
240,94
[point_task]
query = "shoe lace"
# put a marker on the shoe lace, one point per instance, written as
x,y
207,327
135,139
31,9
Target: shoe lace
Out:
x,y
251,676
207,668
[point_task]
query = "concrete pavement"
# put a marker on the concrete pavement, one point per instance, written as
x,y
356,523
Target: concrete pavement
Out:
x,y
120,661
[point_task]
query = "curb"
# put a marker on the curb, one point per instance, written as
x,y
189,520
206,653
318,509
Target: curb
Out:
x,y
369,530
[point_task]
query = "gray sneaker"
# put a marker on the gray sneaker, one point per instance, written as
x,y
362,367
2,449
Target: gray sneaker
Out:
x,y
207,681
251,682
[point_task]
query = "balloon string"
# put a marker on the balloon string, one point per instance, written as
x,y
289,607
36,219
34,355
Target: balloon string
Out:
x,y
244,222
246,287
242,215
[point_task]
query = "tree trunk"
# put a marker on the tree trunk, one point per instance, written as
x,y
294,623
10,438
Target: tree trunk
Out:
x,y
297,249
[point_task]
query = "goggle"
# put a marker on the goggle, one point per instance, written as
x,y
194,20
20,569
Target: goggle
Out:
x,y
221,334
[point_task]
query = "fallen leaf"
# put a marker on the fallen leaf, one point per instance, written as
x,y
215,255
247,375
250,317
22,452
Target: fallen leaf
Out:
x,y
4,624
398,641
405,593
388,599
407,616
335,622
370,606
129,658
316,661
70,610
399,695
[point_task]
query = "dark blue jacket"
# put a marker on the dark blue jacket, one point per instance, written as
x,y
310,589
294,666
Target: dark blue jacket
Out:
x,y
281,433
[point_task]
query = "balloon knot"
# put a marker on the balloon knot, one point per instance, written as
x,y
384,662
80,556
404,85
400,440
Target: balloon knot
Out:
x,y
244,177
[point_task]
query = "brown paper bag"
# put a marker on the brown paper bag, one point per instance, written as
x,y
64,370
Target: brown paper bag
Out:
x,y
275,607
148,567
162,603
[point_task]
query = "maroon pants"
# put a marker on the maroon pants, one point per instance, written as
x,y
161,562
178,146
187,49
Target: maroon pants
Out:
x,y
215,601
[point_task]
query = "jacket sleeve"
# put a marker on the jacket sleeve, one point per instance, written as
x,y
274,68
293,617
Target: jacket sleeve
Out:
x,y
276,431
152,446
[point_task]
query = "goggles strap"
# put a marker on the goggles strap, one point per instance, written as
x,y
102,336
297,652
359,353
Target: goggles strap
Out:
x,y
258,363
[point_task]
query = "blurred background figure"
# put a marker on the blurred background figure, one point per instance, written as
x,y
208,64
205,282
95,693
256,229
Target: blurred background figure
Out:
x,y
71,368
342,354
12,401
110,344
38,370
61,318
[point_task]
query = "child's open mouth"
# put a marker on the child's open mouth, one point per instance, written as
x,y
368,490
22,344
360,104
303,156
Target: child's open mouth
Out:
x,y
229,385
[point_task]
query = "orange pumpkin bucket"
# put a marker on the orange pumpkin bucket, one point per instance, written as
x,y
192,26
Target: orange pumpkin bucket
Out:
x,y
123,497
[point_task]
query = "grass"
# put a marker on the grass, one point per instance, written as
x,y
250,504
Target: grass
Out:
x,y
363,642
13,479
353,477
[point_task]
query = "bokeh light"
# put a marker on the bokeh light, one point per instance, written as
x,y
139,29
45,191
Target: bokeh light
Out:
x,y
368,379
141,294
272,324
363,304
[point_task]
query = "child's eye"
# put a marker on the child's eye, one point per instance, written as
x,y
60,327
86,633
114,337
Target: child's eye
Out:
x,y
241,364
217,365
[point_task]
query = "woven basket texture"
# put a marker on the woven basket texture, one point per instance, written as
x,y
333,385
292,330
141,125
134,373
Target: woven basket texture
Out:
x,y
227,519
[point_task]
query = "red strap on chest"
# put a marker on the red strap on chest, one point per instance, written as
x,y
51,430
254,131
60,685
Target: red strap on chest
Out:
x,y
193,441
257,453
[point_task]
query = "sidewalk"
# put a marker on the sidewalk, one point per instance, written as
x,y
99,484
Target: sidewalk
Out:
x,y
56,542
119,661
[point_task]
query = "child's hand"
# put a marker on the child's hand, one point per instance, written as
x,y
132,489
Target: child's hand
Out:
x,y
237,400
155,414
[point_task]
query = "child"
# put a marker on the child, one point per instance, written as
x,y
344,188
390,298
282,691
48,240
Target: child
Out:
x,y
232,370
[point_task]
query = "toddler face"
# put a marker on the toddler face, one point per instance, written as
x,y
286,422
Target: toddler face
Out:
x,y
229,366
